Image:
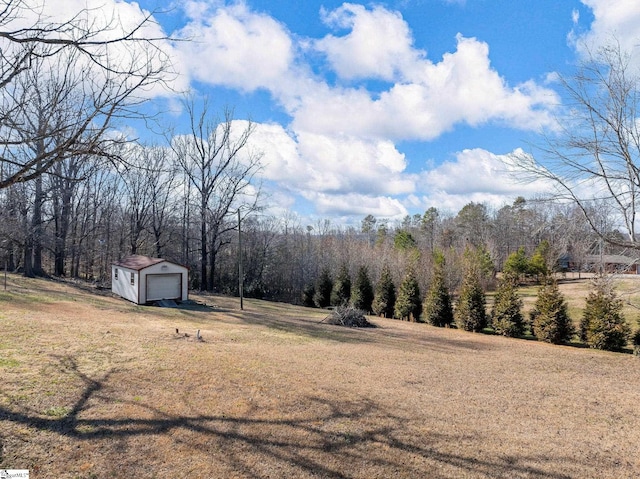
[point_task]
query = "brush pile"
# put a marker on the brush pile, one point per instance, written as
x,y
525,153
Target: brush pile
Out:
x,y
348,316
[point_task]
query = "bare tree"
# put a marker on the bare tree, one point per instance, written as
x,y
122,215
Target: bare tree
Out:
x,y
220,167
595,157
106,71
162,176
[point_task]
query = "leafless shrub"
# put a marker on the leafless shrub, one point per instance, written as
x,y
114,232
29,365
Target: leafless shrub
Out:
x,y
348,316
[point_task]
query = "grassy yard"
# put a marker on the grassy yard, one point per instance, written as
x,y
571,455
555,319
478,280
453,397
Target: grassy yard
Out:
x,y
92,386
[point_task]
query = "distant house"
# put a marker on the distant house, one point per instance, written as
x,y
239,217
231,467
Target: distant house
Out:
x,y
611,263
142,279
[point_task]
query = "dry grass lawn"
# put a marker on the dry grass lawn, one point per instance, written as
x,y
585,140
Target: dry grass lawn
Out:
x,y
92,387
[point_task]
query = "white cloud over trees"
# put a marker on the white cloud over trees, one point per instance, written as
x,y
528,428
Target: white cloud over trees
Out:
x,y
343,139
342,136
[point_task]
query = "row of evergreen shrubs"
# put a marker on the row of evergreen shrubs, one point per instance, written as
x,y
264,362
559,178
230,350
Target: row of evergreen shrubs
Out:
x,y
603,325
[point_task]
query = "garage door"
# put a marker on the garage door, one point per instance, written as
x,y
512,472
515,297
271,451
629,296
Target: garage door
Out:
x,y
164,286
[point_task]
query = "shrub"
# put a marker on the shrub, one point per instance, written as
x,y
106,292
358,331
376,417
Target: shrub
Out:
x,y
384,298
362,291
437,309
549,318
341,291
506,314
349,316
603,325
409,303
470,313
322,296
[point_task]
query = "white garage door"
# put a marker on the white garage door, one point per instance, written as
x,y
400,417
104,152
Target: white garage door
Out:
x,y
164,286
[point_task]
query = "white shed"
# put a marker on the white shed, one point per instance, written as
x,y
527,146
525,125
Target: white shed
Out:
x,y
142,279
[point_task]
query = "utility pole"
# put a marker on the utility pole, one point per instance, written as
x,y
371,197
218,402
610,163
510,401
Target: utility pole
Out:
x,y
240,273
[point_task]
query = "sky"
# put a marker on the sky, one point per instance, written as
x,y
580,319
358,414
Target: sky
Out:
x,y
385,108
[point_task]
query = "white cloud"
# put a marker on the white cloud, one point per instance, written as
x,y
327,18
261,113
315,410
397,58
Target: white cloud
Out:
x,y
235,47
379,44
613,19
339,149
329,170
462,88
575,16
107,20
355,204
480,176
342,164
329,163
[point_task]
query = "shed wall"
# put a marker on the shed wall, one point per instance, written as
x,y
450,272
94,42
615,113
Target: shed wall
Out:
x,y
122,284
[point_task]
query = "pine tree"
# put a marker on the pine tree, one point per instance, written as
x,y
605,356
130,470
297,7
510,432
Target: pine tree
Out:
x,y
603,325
538,264
362,291
409,304
506,314
516,264
341,291
384,298
549,317
470,313
437,309
322,296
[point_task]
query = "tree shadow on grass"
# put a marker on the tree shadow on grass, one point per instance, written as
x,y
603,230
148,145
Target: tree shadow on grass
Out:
x,y
327,438
312,328
422,337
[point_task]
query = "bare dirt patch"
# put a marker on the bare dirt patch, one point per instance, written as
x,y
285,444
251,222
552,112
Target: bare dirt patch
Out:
x,y
93,386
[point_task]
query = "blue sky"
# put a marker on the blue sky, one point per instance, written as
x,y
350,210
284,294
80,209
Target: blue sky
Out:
x,y
384,108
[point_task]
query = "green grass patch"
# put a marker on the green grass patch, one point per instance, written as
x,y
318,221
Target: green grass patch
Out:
x,y
57,411
9,363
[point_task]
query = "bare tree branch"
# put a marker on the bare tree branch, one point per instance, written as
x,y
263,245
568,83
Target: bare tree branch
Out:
x,y
595,158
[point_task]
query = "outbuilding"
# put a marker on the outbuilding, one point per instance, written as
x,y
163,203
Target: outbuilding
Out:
x,y
142,279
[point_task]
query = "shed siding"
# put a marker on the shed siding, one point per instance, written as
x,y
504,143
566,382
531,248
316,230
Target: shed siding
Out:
x,y
122,285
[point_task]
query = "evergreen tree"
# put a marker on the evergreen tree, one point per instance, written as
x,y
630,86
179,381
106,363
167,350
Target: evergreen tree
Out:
x,y
341,291
409,303
603,325
384,298
506,314
322,296
538,264
516,264
403,240
470,313
308,295
362,291
549,317
437,304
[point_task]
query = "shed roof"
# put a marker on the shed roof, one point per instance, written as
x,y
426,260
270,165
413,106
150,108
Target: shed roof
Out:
x,y
138,262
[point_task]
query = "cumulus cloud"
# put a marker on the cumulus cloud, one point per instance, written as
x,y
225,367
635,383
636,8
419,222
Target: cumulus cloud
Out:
x,y
355,204
379,44
480,176
331,165
233,46
617,20
462,88
339,149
